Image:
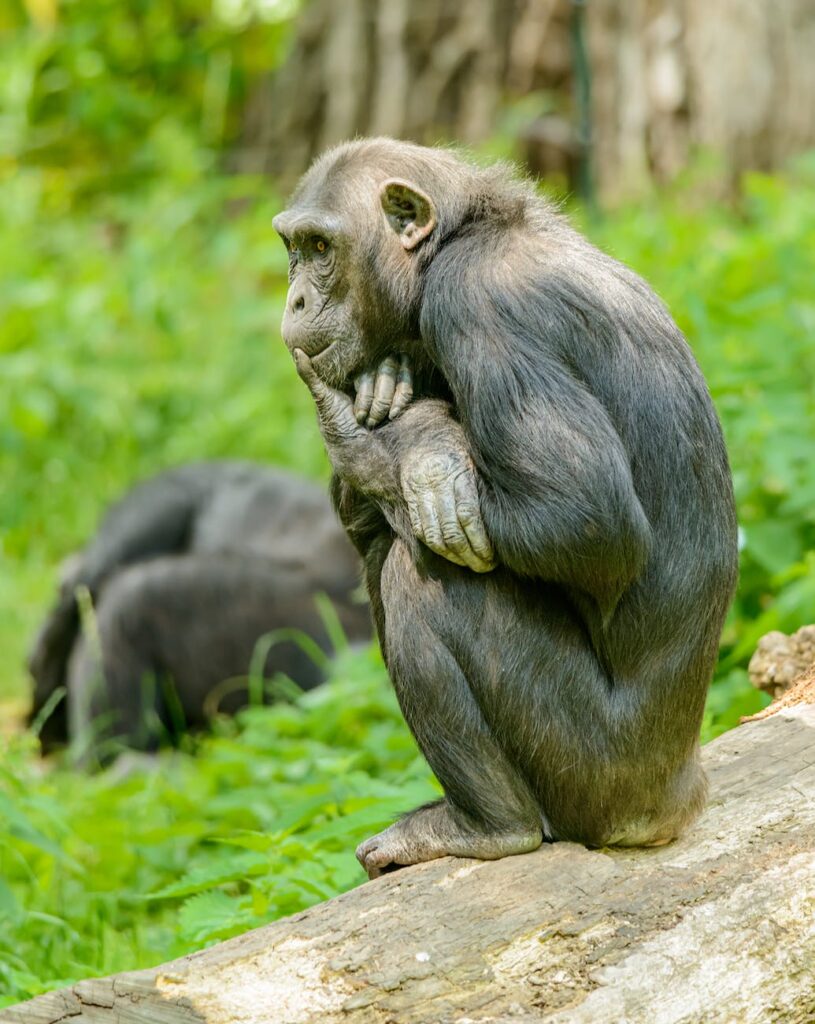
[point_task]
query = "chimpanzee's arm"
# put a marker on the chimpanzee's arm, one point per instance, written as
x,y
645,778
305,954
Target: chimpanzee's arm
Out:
x,y
155,518
550,482
360,516
555,483
413,475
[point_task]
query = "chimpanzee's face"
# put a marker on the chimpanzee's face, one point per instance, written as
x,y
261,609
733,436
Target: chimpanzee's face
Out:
x,y
353,279
321,317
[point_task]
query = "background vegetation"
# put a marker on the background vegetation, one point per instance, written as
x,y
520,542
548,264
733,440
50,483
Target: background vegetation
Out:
x,y
141,289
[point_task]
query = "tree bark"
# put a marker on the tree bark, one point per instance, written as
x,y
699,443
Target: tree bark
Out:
x,y
718,927
426,70
668,79
734,78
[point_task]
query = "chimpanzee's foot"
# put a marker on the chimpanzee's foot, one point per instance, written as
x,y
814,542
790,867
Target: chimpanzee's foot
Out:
x,y
433,831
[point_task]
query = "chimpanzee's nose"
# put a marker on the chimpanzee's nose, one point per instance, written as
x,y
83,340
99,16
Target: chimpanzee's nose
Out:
x,y
297,303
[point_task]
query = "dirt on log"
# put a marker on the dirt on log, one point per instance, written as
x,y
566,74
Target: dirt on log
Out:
x,y
718,927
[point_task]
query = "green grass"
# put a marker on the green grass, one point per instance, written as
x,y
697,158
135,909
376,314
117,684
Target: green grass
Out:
x,y
138,331
105,873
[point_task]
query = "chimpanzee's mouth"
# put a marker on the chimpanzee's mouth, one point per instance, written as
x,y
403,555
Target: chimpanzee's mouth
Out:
x,y
311,352
320,351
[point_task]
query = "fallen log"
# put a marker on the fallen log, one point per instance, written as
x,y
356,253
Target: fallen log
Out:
x,y
718,927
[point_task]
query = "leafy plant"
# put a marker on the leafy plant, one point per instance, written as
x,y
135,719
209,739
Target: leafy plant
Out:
x,y
123,90
140,297
148,859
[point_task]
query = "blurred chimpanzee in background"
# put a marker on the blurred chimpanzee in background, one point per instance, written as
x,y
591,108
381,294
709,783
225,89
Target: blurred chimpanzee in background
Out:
x,y
187,572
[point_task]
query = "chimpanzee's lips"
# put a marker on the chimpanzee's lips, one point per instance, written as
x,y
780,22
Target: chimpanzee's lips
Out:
x,y
311,352
320,351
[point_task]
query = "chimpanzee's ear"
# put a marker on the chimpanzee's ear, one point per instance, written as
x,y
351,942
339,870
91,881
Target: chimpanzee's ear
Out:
x,y
410,212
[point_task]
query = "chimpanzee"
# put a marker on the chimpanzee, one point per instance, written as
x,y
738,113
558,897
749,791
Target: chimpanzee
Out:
x,y
547,520
186,573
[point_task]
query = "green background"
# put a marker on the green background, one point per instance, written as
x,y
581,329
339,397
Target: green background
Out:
x,y
141,289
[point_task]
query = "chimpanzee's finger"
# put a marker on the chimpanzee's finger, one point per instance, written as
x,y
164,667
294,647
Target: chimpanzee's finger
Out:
x,y
320,392
403,394
468,512
455,539
335,408
432,529
383,391
424,522
365,395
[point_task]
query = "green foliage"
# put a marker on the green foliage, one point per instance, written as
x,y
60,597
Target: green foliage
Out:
x,y
141,330
140,296
138,334
141,863
118,90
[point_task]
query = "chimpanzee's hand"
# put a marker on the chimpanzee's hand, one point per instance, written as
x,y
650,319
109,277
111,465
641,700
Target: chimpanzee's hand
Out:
x,y
384,392
442,498
356,453
437,476
335,409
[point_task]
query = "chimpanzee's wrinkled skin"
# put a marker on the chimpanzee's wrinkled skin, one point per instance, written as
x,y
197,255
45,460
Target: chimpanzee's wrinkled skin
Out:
x,y
186,573
548,526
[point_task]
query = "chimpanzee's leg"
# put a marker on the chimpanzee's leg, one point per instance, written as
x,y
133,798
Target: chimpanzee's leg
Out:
x,y
174,629
489,811
505,693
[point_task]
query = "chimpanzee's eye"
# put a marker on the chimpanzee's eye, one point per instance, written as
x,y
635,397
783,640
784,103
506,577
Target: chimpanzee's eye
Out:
x,y
321,245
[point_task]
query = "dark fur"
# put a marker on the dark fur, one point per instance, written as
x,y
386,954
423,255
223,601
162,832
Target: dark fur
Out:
x,y
568,684
186,572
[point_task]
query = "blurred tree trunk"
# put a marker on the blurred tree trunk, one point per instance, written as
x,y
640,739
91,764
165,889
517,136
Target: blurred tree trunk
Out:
x,y
428,70
735,78
662,79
